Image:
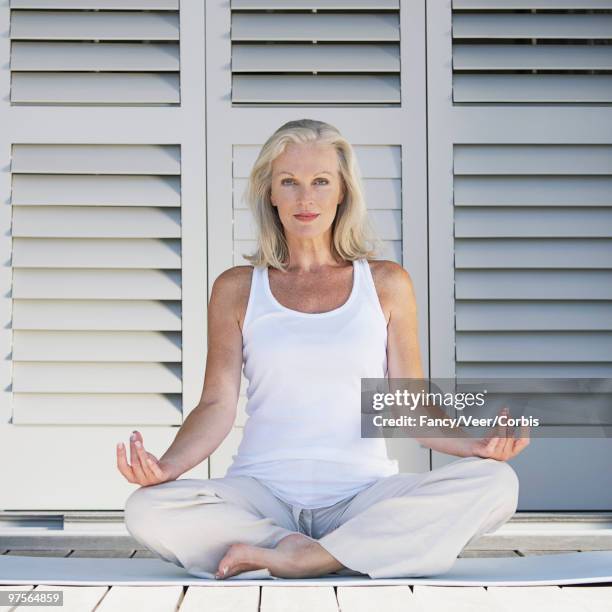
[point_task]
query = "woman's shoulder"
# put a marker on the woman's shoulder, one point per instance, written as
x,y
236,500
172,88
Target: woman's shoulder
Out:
x,y
234,279
231,290
388,271
390,278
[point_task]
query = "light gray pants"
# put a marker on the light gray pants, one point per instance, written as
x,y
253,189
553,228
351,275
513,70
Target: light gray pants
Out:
x,y
408,524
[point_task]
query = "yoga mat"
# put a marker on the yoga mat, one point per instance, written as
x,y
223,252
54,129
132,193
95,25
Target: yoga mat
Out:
x,y
565,568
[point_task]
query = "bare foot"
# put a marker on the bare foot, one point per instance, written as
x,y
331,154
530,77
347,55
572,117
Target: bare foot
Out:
x,y
295,556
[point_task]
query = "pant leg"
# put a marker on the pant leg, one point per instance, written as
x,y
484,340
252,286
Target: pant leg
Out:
x,y
416,524
192,522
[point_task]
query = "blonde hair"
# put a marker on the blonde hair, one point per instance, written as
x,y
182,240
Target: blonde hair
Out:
x,y
353,236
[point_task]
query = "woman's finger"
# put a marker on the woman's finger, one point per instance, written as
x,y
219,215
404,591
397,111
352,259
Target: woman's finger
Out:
x,y
504,429
523,441
496,446
506,450
122,464
135,460
144,464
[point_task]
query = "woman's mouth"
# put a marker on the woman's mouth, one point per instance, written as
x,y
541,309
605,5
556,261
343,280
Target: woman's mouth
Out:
x,y
306,216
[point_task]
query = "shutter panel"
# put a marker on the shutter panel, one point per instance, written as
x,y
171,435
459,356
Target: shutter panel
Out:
x,y
96,284
315,52
523,260
106,52
548,51
105,240
520,169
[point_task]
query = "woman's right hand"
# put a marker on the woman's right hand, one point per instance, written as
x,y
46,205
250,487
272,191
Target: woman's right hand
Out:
x,y
146,469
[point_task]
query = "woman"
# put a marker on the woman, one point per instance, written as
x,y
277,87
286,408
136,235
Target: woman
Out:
x,y
306,495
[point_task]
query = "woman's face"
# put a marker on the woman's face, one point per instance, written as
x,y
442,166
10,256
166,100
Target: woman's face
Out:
x,y
306,179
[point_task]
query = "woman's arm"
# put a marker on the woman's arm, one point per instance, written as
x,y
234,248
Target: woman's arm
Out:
x,y
404,356
210,422
404,361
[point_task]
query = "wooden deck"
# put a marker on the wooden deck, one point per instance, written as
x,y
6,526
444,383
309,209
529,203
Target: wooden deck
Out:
x,y
588,598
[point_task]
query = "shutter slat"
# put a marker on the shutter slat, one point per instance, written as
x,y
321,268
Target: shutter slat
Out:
x,y
80,190
107,409
533,284
77,25
143,346
89,88
131,315
533,253
490,222
526,88
80,377
539,346
97,222
248,88
487,5
96,253
523,316
532,159
523,57
300,5
320,57
95,158
533,191
393,251
99,284
516,26
320,27
388,223
534,370
115,5
118,57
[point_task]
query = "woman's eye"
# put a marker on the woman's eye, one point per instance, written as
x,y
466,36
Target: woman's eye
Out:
x,y
320,181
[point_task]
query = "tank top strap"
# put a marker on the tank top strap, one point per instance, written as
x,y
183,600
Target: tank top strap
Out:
x,y
369,287
257,302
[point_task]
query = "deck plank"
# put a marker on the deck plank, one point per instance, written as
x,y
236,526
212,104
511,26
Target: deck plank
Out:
x,y
541,598
144,554
122,553
592,598
150,598
221,599
47,552
298,599
525,552
77,598
486,554
366,598
458,599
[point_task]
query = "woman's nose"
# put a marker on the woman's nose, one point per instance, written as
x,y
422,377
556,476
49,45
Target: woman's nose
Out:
x,y
305,194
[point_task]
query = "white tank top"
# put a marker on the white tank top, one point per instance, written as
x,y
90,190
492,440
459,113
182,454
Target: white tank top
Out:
x,y
302,437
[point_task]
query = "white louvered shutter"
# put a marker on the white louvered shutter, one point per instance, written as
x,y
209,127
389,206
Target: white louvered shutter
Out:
x,y
315,52
532,51
520,175
104,291
272,61
106,52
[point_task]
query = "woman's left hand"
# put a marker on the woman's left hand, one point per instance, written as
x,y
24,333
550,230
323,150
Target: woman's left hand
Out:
x,y
500,443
